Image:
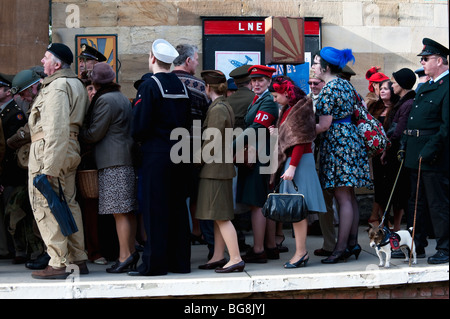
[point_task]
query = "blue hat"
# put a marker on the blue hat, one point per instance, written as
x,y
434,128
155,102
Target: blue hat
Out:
x,y
337,57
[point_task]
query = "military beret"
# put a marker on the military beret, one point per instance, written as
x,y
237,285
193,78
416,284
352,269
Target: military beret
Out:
x,y
213,77
6,79
240,74
88,52
61,51
164,51
432,47
261,70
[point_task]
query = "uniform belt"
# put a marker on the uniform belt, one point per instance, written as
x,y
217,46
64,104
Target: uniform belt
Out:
x,y
40,135
418,133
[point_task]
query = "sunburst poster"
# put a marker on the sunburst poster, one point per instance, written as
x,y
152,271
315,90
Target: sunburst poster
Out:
x,y
104,43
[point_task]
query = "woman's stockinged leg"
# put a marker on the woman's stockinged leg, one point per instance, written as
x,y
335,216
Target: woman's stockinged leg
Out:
x,y
346,216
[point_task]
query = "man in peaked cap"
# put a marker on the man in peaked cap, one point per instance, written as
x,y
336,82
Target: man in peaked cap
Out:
x,y
163,104
55,118
426,143
88,58
244,95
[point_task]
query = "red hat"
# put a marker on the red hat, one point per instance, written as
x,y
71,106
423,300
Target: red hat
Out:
x,y
261,70
374,76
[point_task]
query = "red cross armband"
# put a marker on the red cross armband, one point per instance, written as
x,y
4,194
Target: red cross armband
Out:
x,y
264,118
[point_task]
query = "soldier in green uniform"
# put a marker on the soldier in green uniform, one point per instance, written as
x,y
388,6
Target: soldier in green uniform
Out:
x,y
243,97
425,141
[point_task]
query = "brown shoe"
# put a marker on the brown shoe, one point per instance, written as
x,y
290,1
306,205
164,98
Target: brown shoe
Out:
x,y
252,257
50,273
83,268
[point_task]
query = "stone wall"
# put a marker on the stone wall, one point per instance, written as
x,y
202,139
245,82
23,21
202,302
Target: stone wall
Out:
x,y
381,32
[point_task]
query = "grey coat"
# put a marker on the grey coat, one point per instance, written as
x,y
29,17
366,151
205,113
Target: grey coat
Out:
x,y
110,129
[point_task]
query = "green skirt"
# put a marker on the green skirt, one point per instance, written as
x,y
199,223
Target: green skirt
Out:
x,y
215,199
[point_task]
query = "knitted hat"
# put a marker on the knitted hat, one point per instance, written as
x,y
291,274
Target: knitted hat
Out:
x,y
61,51
405,77
337,57
102,73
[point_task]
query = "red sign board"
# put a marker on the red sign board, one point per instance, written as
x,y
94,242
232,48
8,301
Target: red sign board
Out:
x,y
234,27
248,27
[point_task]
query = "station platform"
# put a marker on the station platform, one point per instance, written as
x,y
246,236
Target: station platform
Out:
x,y
256,280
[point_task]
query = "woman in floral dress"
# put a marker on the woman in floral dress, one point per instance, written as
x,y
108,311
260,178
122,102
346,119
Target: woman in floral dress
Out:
x,y
344,163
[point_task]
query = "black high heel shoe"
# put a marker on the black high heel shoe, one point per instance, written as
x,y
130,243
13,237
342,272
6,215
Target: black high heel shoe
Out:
x,y
354,250
335,257
127,265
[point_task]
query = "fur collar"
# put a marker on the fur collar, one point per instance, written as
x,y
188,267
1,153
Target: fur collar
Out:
x,y
299,127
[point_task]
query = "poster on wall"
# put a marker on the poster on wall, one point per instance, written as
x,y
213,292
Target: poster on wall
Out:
x,y
227,61
298,73
104,43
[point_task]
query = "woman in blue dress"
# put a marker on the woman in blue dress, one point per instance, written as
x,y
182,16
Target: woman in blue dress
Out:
x,y
344,163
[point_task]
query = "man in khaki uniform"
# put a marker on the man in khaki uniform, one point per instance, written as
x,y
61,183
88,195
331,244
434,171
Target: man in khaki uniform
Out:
x,y
55,118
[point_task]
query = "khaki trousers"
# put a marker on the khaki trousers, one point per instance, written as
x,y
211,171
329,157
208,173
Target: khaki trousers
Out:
x,y
61,249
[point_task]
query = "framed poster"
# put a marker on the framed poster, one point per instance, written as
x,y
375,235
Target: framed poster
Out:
x,y
227,61
104,43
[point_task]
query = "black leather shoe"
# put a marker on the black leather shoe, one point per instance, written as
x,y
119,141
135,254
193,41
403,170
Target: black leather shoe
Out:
x,y
214,264
39,263
239,267
438,258
125,266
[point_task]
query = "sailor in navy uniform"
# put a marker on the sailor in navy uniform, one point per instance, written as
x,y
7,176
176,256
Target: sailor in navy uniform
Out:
x,y
162,104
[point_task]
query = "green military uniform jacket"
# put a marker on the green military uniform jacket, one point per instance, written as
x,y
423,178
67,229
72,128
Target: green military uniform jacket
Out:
x,y
252,186
219,117
430,111
239,101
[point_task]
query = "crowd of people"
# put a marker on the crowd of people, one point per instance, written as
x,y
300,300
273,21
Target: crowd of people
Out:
x,y
57,123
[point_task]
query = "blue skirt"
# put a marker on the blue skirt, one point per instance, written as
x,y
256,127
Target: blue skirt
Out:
x,y
307,182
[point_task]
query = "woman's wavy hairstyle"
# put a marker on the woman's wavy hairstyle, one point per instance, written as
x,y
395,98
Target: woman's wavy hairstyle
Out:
x,y
282,84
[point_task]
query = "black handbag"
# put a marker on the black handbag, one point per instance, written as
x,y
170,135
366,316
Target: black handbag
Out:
x,y
287,208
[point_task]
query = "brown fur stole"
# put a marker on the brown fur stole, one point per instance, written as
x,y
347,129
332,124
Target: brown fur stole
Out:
x,y
298,128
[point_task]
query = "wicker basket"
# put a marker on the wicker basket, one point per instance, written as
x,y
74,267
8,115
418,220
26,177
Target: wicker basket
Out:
x,y
88,183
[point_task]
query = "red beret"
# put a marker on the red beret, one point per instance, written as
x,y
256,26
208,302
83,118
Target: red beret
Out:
x,y
261,70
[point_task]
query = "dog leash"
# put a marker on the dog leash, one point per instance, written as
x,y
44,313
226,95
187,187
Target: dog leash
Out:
x,y
390,197
415,211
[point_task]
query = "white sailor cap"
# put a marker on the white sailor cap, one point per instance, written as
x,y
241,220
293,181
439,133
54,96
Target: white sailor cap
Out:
x,y
164,51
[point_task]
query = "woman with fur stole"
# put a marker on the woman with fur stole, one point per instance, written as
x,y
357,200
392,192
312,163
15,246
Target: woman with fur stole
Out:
x,y
296,132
